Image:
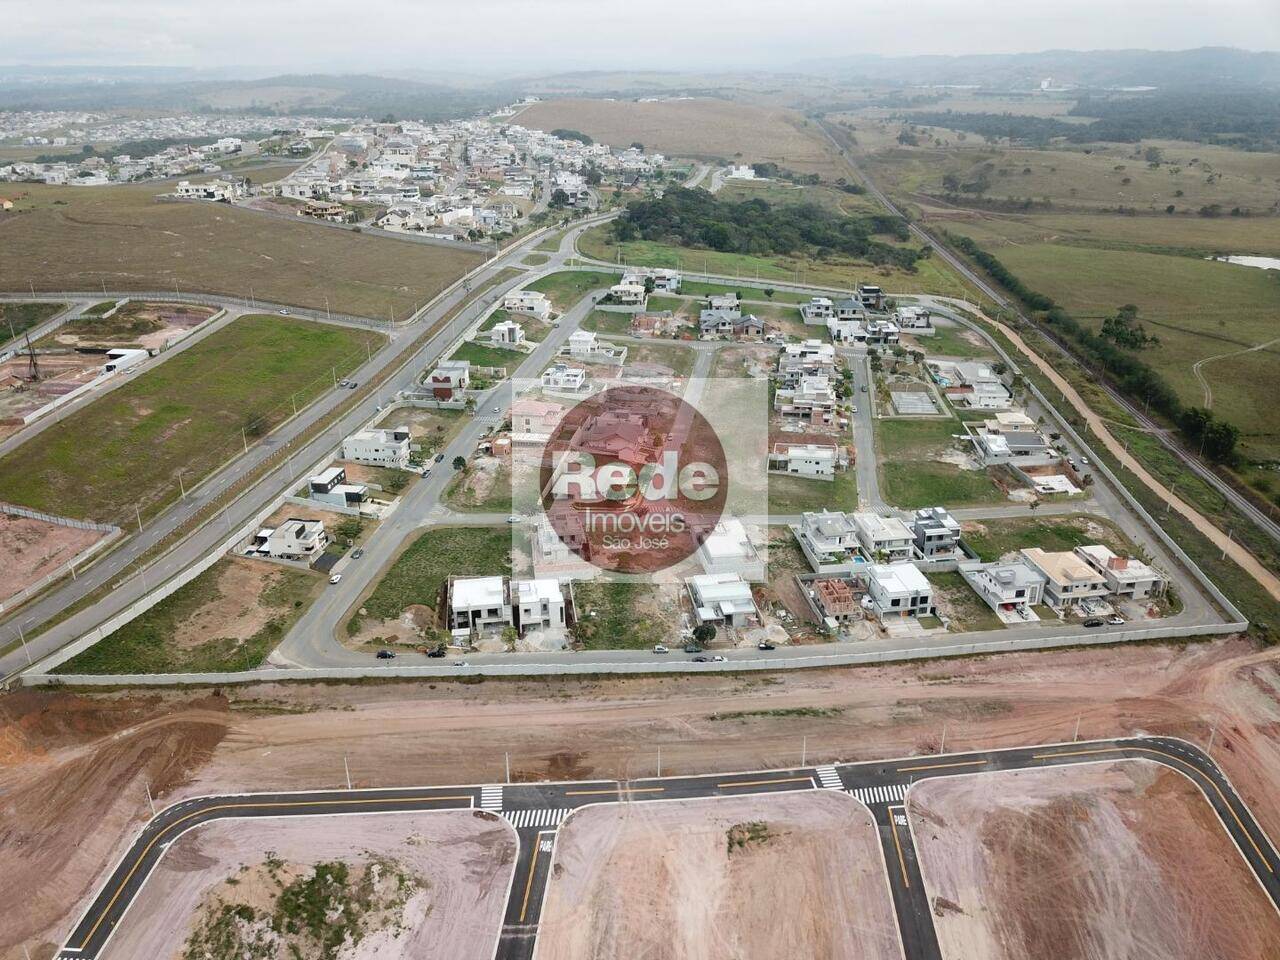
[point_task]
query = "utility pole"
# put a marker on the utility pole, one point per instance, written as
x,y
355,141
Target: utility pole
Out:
x,y
347,770
23,638
244,439
181,489
508,757
659,762
1213,733
942,747
1076,736
149,800
804,751
138,514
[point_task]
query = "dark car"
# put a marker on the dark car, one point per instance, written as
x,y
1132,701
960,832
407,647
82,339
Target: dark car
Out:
x,y
436,652
357,553
692,648
439,457
386,654
1093,622
701,659
765,645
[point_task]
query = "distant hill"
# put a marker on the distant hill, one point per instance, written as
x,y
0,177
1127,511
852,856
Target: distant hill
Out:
x,y
1090,68
353,95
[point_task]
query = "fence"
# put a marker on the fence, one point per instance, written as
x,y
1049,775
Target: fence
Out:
x,y
111,534
571,663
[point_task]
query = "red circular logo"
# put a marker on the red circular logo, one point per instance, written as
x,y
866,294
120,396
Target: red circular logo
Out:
x,y
633,479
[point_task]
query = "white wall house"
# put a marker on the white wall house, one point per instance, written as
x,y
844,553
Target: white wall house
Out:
x,y
728,549
814,461
508,333
563,378
379,448
330,487
478,605
936,533
528,302
898,590
294,540
722,598
886,539
537,604
1007,588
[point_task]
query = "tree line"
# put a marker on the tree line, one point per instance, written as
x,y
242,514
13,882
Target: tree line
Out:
x,y
1113,351
695,218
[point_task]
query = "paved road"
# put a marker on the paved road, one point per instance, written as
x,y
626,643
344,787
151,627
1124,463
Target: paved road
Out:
x,y
1263,521
536,811
286,472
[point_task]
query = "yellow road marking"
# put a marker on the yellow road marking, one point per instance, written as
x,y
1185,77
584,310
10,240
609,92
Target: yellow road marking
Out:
x,y
528,883
760,783
940,766
902,862
238,806
617,789
1164,753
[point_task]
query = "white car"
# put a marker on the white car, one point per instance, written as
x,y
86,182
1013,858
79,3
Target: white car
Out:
x,y
718,659
336,578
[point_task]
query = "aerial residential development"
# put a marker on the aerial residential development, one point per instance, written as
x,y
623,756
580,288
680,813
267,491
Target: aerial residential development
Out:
x,y
483,504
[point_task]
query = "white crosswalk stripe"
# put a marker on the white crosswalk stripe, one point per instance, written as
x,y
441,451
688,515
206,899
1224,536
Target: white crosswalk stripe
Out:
x,y
536,818
829,778
889,793
491,797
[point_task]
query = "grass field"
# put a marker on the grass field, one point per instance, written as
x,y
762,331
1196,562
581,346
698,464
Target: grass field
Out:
x,y
913,475
699,288
566,287
968,611
781,192
420,571
1199,309
954,341
676,358
702,127
931,276
788,495
603,321
992,539
69,238
153,642
127,447
483,356
17,318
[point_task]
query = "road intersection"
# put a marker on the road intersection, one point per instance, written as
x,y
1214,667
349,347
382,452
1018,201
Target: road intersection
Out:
x,y
536,812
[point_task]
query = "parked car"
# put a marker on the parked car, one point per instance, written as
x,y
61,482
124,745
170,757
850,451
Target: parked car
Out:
x,y
659,648
692,648
459,663
439,457
765,645
433,652
357,553
717,659
336,578
426,471
701,659
352,384
386,654
1115,621
1093,622
1084,461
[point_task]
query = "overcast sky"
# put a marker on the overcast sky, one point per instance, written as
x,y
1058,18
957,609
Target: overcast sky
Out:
x,y
507,36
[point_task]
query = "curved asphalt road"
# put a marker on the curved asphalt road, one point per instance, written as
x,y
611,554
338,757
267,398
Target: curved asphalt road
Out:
x,y
536,810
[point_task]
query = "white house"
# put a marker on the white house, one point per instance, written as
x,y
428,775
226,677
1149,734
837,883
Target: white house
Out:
x,y
812,400
508,333
814,461
973,384
809,358
1126,577
1068,578
537,604
883,538
584,345
918,320
898,590
379,448
294,539
630,292
721,598
562,378
728,549
478,605
528,302
829,541
818,310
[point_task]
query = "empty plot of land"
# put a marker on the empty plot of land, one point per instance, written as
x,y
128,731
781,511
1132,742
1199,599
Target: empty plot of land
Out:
x,y
17,318
800,875
127,447
1095,862
151,326
702,127
460,864
33,549
67,238
25,388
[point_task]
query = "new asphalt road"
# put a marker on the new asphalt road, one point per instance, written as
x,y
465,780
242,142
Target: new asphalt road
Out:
x,y
536,810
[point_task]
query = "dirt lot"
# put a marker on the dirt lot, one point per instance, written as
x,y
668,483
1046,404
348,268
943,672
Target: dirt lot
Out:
x,y
72,767
33,549
702,878
136,324
1098,862
59,374
463,861
698,127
